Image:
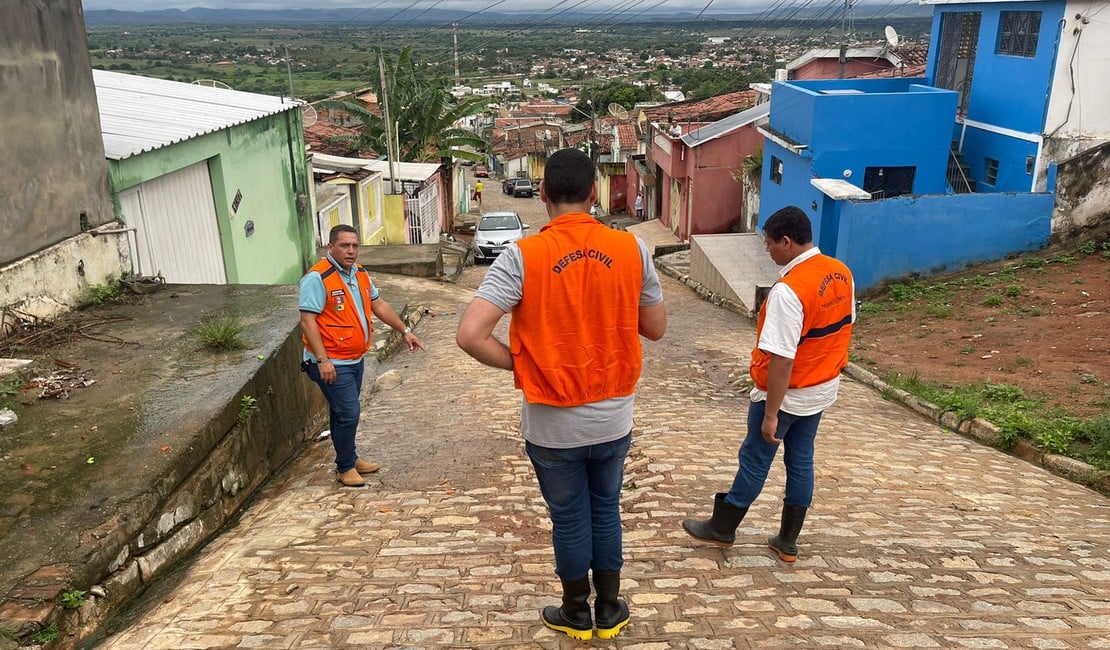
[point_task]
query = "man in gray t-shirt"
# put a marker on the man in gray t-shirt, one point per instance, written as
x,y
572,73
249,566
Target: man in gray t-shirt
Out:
x,y
581,295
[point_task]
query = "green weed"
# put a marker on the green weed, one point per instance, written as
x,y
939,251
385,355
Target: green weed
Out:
x,y
221,333
905,292
46,634
247,406
98,294
939,311
1013,291
993,300
73,598
1087,247
869,309
1076,281
9,388
1023,361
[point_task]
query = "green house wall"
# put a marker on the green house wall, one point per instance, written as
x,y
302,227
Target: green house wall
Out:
x,y
264,160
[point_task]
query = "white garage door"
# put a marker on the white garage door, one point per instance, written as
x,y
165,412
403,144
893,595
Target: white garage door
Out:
x,y
176,228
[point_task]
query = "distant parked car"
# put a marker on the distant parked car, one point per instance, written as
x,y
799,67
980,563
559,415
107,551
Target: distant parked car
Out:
x,y
507,185
522,187
481,171
495,231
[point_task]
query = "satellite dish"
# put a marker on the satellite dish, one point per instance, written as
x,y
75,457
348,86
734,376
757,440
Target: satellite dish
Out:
x,y
547,134
211,83
537,135
891,36
618,111
308,115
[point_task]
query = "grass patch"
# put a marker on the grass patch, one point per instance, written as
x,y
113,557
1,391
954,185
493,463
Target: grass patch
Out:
x,y
46,634
1019,416
939,311
993,300
221,333
1013,291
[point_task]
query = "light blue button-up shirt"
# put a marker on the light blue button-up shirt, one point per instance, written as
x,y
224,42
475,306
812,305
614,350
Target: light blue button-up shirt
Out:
x,y
314,297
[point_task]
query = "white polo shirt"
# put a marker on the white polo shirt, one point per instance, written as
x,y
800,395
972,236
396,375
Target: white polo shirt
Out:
x,y
781,334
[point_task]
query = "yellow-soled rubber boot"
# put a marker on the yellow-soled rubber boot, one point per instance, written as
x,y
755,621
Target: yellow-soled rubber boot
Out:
x,y
573,618
610,613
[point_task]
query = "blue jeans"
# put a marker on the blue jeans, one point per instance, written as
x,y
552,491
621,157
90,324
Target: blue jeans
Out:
x,y
344,409
582,488
756,455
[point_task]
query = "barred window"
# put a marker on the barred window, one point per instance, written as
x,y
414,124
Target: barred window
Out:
x,y
1017,33
990,176
776,170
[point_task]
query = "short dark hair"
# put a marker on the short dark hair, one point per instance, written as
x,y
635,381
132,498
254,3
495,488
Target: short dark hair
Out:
x,y
334,234
568,177
790,222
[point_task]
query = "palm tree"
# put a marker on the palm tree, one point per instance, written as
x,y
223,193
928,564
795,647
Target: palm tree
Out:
x,y
425,116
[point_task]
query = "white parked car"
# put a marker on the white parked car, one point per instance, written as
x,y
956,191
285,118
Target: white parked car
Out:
x,y
495,231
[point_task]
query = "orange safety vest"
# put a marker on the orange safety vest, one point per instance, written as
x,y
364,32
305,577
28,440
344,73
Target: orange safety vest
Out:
x,y
824,286
340,326
574,336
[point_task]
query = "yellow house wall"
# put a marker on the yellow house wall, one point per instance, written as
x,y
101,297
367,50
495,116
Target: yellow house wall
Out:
x,y
394,219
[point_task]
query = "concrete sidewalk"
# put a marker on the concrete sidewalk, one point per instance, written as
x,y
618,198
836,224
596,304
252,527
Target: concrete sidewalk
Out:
x,y
918,537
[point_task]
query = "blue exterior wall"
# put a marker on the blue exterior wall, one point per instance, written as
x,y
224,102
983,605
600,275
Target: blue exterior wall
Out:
x,y
891,122
795,188
883,240
1010,153
1007,91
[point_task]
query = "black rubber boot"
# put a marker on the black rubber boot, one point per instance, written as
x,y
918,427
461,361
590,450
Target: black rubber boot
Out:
x,y
573,618
610,612
785,543
721,528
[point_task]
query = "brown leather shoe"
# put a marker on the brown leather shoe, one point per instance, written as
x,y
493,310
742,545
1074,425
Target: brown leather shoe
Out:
x,y
366,466
350,478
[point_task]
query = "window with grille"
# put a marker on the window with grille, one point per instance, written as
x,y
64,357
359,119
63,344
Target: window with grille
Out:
x,y
776,170
990,176
1017,33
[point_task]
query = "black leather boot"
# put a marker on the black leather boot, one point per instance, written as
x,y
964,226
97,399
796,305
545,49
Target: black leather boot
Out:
x,y
721,528
573,618
785,543
610,612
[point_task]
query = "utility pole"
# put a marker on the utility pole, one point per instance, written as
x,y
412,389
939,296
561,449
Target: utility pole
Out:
x,y
458,79
844,37
289,70
390,151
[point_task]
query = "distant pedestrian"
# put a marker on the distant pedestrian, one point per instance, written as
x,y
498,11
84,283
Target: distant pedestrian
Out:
x,y
581,294
802,338
337,331
478,193
640,207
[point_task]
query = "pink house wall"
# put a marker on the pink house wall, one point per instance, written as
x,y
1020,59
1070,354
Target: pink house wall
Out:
x,y
830,68
711,200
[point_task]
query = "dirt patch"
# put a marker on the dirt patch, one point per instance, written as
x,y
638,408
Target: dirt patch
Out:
x,y
1039,322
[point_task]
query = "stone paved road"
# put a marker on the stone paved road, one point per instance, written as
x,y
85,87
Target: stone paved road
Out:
x,y
917,538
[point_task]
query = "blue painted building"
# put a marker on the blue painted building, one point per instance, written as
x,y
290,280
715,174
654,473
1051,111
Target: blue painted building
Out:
x,y
921,175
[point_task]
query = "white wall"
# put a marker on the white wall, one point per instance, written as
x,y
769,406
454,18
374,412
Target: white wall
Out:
x,y
50,282
1089,117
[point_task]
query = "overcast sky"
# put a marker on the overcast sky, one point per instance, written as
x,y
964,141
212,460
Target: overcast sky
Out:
x,y
462,5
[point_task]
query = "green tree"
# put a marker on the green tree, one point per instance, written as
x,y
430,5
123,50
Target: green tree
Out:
x,y
425,115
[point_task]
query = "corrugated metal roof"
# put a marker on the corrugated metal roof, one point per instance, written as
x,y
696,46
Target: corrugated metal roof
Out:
x,y
139,114
406,171
729,124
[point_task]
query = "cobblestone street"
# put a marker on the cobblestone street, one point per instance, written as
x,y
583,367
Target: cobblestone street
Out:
x,y
918,537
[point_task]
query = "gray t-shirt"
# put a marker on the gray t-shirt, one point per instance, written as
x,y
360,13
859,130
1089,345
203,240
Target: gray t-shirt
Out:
x,y
575,426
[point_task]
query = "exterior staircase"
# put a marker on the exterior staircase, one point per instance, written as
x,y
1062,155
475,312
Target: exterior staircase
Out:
x,y
959,174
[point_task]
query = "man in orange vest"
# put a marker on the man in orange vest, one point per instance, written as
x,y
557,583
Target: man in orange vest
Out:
x,y
801,345
336,296
580,295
